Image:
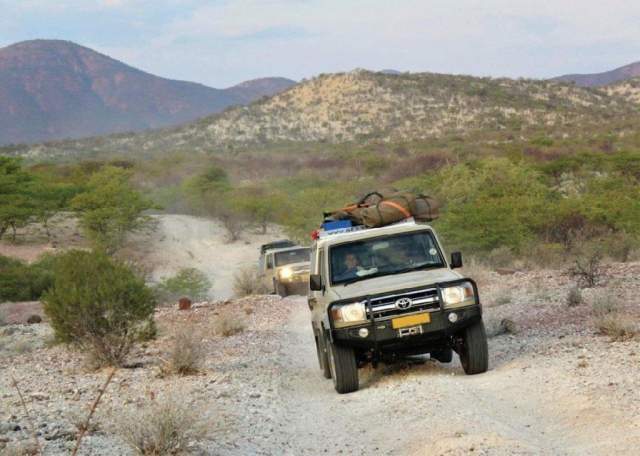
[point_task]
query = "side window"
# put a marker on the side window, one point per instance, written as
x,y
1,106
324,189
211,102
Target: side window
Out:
x,y
269,261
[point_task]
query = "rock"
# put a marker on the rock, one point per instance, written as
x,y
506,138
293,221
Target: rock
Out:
x,y
184,304
34,319
6,427
39,396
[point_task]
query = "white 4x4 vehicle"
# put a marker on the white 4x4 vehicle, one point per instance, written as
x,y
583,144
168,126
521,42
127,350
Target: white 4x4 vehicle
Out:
x,y
285,270
386,292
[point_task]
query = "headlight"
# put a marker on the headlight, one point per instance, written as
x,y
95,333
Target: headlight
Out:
x,y
286,273
348,314
458,295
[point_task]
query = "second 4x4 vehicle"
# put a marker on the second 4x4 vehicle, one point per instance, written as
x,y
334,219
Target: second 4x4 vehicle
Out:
x,y
388,292
285,270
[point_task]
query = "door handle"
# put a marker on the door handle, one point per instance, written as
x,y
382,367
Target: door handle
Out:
x,y
311,302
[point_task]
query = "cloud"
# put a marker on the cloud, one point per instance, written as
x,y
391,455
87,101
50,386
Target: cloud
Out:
x,y
221,42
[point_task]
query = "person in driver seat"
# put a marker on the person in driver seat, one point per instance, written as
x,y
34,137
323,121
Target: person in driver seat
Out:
x,y
352,266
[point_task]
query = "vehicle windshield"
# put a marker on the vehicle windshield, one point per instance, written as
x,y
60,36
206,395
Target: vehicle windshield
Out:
x,y
386,255
292,256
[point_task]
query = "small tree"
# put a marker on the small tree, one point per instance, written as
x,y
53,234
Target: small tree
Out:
x,y
188,282
111,208
259,205
98,304
17,204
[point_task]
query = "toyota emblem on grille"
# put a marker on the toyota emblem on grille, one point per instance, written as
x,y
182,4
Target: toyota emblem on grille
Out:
x,y
404,303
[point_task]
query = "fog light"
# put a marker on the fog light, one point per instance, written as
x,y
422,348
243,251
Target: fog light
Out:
x,y
363,332
453,317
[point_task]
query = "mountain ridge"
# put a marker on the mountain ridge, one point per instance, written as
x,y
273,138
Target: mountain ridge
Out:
x,y
55,89
604,78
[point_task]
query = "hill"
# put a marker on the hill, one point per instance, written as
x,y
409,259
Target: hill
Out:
x,y
605,78
52,89
363,106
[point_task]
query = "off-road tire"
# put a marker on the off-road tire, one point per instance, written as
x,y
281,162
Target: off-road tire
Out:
x,y
443,356
473,350
323,360
344,370
280,289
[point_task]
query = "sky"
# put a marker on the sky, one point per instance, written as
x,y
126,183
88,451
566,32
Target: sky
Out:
x,y
223,42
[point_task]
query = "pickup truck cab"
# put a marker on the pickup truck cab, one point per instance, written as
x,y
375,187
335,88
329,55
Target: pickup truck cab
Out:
x,y
388,292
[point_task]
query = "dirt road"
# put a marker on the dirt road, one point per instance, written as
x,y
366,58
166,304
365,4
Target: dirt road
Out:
x,y
528,403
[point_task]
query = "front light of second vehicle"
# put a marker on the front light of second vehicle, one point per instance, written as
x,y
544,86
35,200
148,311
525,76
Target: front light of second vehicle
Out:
x,y
286,273
458,296
348,314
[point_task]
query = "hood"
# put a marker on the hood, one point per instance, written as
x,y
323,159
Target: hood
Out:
x,y
302,266
391,283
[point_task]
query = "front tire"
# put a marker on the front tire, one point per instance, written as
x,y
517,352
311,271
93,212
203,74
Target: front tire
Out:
x,y
474,351
344,370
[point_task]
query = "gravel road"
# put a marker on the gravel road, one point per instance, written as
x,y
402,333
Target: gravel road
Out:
x,y
528,403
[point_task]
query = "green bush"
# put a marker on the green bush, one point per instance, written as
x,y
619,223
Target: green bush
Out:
x,y
20,281
189,282
98,304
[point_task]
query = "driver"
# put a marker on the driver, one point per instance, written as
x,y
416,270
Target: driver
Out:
x,y
352,266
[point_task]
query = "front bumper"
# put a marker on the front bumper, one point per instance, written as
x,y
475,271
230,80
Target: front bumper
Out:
x,y
383,337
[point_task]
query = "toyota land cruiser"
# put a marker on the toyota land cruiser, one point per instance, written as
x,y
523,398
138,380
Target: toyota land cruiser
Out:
x,y
382,293
285,270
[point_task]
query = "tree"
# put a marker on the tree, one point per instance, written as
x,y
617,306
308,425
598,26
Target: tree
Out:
x,y
17,203
111,208
261,206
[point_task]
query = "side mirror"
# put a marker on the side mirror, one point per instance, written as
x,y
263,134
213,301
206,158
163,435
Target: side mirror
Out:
x,y
456,260
315,282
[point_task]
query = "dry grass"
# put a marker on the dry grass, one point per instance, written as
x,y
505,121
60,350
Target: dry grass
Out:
x,y
161,427
574,297
477,270
617,326
227,324
187,353
247,282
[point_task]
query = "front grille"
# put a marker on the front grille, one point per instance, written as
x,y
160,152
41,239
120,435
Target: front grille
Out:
x,y
384,307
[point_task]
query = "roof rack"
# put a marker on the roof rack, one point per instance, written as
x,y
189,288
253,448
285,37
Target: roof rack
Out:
x,y
345,226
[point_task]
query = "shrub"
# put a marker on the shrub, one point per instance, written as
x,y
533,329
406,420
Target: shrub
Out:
x,y
617,326
587,270
247,282
22,282
227,325
604,304
161,427
98,304
188,282
574,298
187,353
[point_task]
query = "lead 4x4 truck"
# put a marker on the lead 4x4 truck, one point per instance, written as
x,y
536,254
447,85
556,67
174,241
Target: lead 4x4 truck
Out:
x,y
382,293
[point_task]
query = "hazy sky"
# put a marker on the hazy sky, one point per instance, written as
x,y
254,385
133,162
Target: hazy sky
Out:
x,y
222,42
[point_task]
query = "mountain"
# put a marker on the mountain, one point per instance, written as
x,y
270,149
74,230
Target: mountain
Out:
x,y
602,79
52,89
364,107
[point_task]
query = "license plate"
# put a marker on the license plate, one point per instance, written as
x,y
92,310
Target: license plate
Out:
x,y
410,320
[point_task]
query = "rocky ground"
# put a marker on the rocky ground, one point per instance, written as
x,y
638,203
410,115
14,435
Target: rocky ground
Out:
x,y
555,386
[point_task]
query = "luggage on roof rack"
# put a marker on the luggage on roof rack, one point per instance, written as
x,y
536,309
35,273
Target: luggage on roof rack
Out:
x,y
377,209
